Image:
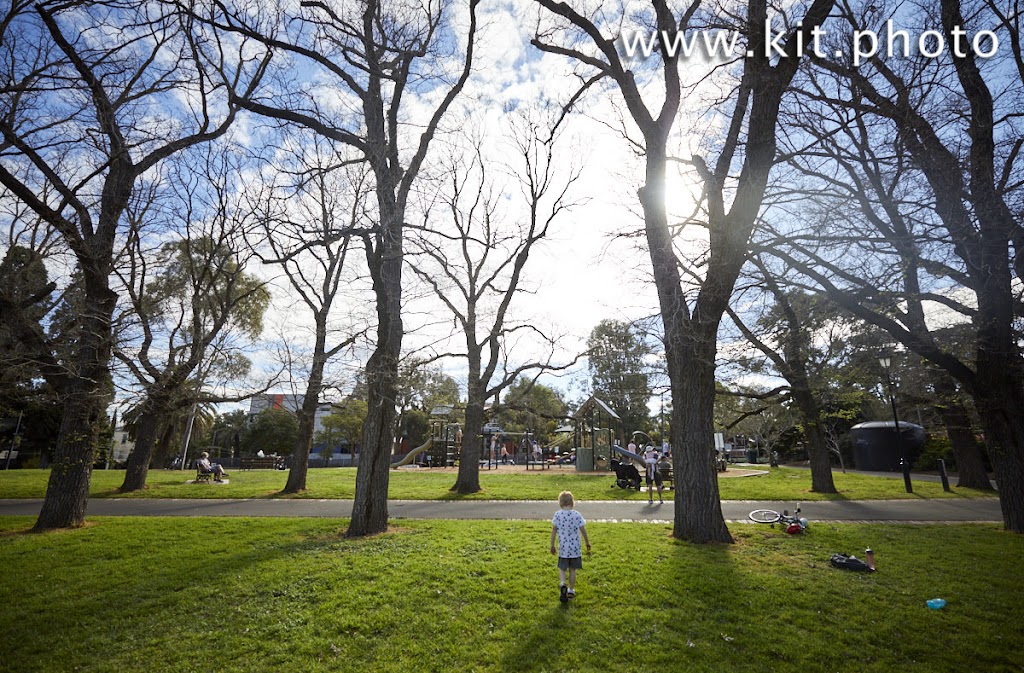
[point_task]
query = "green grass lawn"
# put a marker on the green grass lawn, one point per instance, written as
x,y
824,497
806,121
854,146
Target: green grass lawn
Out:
x,y
171,594
778,484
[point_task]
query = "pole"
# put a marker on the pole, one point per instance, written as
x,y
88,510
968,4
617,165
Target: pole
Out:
x,y
663,438
113,441
945,477
188,435
14,441
899,436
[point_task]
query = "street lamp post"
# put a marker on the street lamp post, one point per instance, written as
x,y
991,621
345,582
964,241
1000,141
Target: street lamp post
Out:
x,y
886,362
663,438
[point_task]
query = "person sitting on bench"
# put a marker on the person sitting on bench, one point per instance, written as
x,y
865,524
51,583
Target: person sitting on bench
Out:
x,y
206,466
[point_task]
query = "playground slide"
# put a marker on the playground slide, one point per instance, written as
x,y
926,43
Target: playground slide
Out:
x,y
408,458
636,458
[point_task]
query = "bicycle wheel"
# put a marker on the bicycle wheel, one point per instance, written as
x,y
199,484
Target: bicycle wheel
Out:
x,y
764,516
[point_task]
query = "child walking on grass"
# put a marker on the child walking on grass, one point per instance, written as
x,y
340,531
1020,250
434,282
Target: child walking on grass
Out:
x,y
569,526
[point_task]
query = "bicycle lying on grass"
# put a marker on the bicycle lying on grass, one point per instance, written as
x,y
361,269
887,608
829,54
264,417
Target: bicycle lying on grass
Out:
x,y
792,523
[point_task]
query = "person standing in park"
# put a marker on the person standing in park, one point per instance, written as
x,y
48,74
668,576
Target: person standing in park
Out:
x,y
569,526
651,458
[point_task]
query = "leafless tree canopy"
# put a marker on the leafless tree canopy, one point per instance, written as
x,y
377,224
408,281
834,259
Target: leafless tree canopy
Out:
x,y
85,113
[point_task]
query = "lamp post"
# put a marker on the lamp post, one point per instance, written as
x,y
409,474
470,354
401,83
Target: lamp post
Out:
x,y
663,438
886,362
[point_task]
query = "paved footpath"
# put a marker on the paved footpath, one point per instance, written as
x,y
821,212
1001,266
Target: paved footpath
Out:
x,y
920,511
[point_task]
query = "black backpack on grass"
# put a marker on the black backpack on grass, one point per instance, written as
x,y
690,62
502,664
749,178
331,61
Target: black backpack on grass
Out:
x,y
849,563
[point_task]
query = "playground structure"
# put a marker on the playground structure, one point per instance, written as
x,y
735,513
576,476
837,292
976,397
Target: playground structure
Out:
x,y
412,455
441,449
563,441
596,429
590,442
521,450
622,453
445,443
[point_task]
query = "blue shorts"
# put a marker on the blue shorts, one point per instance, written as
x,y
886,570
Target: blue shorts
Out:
x,y
566,563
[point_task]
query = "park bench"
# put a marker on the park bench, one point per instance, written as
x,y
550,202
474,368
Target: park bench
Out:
x,y
537,464
666,475
257,463
202,477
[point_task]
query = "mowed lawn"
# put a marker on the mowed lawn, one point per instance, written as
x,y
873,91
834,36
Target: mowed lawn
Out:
x,y
323,483
171,595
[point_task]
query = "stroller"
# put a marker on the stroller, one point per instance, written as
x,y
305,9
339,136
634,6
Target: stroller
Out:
x,y
626,474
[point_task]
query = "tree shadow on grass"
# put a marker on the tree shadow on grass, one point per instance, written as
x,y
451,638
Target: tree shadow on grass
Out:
x,y
699,599
547,639
661,605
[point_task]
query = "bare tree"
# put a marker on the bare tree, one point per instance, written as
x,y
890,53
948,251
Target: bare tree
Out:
x,y
874,186
732,203
309,225
87,112
191,298
475,260
967,236
788,348
374,57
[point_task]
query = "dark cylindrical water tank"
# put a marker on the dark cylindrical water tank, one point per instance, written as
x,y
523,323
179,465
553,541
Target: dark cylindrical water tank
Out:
x,y
875,446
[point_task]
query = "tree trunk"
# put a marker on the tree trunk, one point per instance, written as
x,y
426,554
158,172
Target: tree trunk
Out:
x,y
690,356
146,432
997,385
370,507
795,346
1006,437
698,506
88,393
969,462
162,452
817,451
67,492
1000,398
307,420
468,480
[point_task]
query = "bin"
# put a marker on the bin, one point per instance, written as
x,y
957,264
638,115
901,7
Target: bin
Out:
x,y
752,456
876,448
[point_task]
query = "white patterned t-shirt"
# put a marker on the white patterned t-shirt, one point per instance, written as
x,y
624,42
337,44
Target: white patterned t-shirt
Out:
x,y
568,523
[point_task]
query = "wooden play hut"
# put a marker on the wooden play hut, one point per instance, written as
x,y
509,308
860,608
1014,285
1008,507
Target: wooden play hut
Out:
x,y
597,426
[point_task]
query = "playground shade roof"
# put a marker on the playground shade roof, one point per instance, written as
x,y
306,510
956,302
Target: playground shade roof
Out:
x,y
592,403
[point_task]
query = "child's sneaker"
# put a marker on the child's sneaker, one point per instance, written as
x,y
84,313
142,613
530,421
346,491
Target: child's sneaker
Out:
x,y
563,594
571,595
